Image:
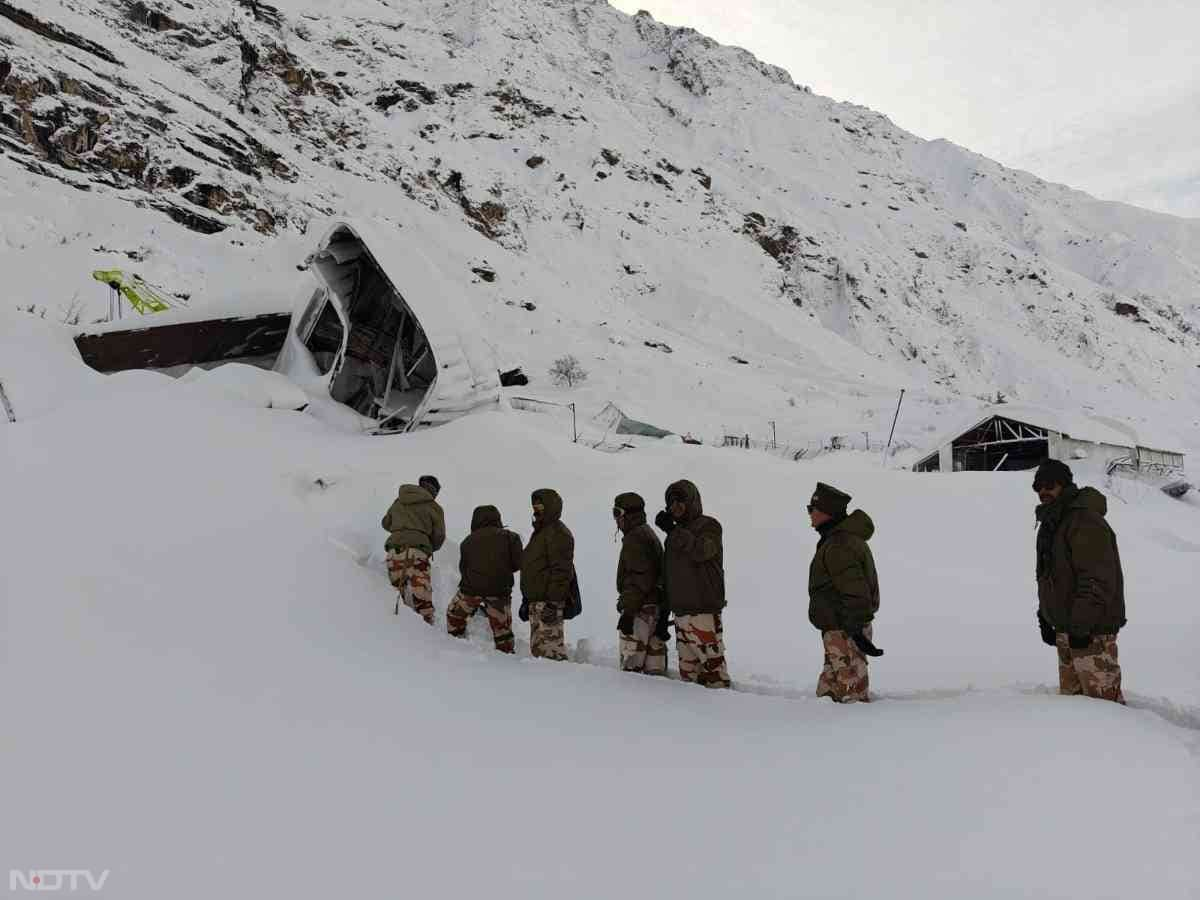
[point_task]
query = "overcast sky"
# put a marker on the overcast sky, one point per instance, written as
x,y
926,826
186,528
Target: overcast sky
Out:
x,y
1099,94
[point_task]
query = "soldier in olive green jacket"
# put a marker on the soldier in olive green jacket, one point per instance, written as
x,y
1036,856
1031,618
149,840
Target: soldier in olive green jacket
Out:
x,y
843,594
1081,587
487,559
547,576
642,626
416,529
694,579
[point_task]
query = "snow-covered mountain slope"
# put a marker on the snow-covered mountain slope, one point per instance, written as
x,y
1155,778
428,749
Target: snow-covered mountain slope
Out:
x,y
637,185
206,694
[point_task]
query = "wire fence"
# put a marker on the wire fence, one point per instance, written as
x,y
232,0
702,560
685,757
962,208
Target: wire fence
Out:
x,y
609,441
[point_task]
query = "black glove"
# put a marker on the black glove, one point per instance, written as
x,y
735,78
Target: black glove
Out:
x,y
523,612
661,628
625,624
1079,641
863,643
664,521
1047,630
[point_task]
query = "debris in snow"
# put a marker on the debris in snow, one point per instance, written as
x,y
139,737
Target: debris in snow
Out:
x,y
659,345
514,378
486,274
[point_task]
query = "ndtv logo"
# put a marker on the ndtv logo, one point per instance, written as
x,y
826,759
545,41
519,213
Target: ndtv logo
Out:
x,y
55,879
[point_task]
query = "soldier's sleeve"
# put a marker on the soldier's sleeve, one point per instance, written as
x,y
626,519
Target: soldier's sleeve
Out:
x,y
660,581
1090,546
631,597
515,550
699,546
560,550
464,550
438,535
850,582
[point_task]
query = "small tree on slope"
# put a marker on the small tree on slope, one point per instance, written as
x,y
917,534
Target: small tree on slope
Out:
x,y
567,371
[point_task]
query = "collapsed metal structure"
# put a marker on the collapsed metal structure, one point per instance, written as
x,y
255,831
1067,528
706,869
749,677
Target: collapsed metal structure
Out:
x,y
399,360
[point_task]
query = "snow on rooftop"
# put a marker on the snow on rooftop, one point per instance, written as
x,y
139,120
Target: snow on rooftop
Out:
x,y
1076,425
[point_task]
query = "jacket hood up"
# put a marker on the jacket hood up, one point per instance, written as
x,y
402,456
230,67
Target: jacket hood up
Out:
x,y
553,503
635,509
693,507
485,516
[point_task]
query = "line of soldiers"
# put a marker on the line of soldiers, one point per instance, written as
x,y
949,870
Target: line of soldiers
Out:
x,y
1080,583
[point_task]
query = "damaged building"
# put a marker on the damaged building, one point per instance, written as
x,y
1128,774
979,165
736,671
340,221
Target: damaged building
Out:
x,y
378,332
1007,438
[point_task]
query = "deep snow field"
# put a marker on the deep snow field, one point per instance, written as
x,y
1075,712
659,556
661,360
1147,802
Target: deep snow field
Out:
x,y
207,693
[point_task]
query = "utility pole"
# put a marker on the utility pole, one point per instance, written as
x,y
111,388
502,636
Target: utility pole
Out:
x,y
574,430
7,406
774,442
893,431
867,439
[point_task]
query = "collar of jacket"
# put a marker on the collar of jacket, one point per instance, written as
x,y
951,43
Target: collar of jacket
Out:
x,y
826,528
1050,513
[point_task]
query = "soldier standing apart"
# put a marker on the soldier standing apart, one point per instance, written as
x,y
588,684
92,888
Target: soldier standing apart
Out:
x,y
1081,588
547,573
487,559
694,578
639,579
843,594
418,530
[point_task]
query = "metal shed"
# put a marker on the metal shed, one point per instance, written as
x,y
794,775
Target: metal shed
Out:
x,y
1009,437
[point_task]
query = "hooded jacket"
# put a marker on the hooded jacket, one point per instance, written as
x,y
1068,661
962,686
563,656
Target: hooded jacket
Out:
x,y
693,558
548,563
843,586
639,568
488,556
1081,588
415,521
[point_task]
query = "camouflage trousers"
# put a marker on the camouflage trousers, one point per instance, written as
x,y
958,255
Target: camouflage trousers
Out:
x,y
644,651
408,570
844,674
547,638
499,613
1092,672
700,643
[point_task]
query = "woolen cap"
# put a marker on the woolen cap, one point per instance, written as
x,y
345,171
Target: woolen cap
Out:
x,y
1053,471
